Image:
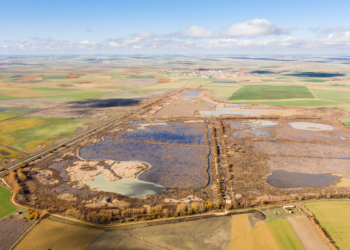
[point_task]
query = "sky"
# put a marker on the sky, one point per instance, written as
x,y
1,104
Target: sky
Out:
x,y
181,27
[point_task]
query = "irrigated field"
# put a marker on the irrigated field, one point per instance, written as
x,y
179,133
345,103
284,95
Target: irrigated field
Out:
x,y
334,216
27,133
5,205
271,93
296,103
284,235
54,235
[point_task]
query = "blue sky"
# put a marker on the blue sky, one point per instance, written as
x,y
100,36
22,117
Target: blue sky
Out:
x,y
160,26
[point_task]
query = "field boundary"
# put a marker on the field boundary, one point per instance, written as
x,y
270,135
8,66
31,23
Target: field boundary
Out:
x,y
62,144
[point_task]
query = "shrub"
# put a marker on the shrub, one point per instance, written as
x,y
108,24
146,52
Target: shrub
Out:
x,y
263,202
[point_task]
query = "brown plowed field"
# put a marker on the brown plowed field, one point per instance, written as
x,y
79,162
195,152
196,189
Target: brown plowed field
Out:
x,y
306,233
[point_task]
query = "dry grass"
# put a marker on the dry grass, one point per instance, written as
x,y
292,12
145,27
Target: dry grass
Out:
x,y
245,238
54,235
262,237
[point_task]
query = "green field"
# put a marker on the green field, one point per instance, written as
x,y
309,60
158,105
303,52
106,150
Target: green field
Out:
x,y
284,235
334,216
27,133
296,103
86,95
271,93
337,95
11,112
166,86
54,89
48,77
5,205
347,124
5,97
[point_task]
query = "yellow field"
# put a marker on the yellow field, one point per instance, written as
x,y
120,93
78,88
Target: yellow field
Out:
x,y
54,235
262,237
239,225
245,238
242,242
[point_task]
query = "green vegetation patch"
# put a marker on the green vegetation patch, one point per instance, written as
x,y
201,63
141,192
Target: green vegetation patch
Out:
x,y
284,235
84,95
296,103
6,153
334,216
54,89
262,72
332,94
165,86
27,133
314,80
5,205
50,77
10,79
347,124
271,93
5,97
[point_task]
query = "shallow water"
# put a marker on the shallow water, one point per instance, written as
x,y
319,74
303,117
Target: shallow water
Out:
x,y
310,126
126,186
177,133
191,94
259,128
172,165
235,111
283,179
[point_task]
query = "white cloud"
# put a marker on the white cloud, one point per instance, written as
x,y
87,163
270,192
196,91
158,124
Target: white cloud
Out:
x,y
195,31
147,41
144,33
253,28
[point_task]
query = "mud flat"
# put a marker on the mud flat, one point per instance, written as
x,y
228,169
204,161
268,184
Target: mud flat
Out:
x,y
304,149
256,128
314,165
311,126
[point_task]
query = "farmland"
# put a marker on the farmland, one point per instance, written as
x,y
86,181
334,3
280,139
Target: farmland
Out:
x,y
334,218
5,205
245,237
53,235
193,136
271,93
284,235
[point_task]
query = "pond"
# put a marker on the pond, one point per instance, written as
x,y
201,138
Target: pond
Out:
x,y
235,111
126,186
175,132
258,128
172,165
310,126
283,179
191,94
